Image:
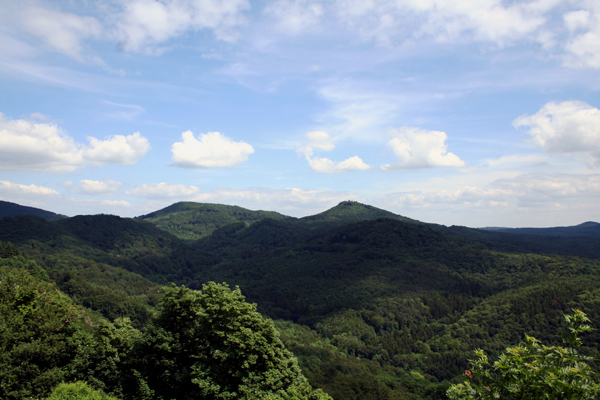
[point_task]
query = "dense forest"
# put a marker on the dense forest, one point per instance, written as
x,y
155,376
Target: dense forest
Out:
x,y
372,305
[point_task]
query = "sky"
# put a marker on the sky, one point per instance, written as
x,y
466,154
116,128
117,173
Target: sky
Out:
x,y
466,112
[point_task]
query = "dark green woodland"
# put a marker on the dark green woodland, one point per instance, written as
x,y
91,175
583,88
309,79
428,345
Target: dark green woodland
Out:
x,y
206,301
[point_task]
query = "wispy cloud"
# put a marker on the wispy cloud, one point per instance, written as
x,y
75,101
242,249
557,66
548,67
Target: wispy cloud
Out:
x,y
322,141
162,190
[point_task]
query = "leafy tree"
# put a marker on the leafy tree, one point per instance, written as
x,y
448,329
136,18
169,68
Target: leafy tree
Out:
x,y
532,370
212,344
77,391
40,334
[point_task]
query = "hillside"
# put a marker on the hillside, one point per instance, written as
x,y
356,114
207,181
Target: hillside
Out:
x,y
8,209
348,212
374,308
192,221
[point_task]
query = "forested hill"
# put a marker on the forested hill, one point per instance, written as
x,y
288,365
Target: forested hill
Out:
x,y
8,209
350,211
374,305
192,221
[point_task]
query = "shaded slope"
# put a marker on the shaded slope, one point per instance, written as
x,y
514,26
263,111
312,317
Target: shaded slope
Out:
x,y
591,229
192,221
581,246
8,209
343,267
121,242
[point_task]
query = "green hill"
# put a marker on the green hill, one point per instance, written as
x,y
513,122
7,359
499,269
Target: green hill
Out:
x,y
192,221
8,209
374,308
351,211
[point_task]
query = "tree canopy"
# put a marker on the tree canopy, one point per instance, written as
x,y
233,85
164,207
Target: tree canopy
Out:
x,y
212,344
532,370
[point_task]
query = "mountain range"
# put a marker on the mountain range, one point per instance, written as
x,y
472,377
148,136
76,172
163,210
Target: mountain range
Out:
x,y
373,304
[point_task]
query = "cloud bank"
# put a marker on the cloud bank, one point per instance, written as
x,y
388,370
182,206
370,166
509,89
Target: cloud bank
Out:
x,y
96,188
11,188
162,190
146,23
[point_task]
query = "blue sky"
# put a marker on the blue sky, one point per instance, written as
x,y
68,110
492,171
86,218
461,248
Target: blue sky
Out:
x,y
474,112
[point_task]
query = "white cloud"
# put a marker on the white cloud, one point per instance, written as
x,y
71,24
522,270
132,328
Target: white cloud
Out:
x,y
488,20
536,199
466,197
570,127
532,189
316,139
392,21
322,141
326,166
212,150
115,203
419,148
32,146
583,51
107,186
62,31
575,20
117,149
10,188
162,190
294,16
146,23
584,39
358,110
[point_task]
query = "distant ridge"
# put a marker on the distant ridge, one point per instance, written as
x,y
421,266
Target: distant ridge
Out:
x,y
590,229
192,221
8,209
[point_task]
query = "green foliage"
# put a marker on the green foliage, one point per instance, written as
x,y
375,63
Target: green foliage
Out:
x,y
40,334
77,391
209,345
214,345
8,250
532,370
389,310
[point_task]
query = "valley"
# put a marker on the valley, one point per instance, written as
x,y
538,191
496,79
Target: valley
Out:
x,y
374,305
